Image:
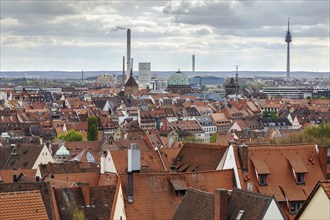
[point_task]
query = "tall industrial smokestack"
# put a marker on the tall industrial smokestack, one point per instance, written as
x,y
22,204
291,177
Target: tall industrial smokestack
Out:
x,y
82,78
128,69
193,63
124,77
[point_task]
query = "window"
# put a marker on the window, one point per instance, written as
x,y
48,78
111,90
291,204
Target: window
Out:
x,y
90,157
300,178
239,215
295,206
262,180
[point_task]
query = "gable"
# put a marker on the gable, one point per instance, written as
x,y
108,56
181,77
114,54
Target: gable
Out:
x,y
318,207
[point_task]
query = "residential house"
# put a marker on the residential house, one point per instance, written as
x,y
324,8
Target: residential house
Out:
x,y
221,121
317,205
222,205
28,156
191,127
129,131
281,123
207,125
27,200
288,172
69,173
198,157
141,189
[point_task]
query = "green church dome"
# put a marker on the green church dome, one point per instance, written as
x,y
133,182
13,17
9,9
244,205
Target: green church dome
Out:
x,y
62,151
178,79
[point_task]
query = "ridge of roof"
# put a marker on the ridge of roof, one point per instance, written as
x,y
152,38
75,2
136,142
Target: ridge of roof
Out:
x,y
180,174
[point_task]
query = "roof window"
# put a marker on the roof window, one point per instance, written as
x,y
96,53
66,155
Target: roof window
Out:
x,y
239,215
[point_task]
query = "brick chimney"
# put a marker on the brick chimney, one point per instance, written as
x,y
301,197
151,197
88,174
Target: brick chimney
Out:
x,y
323,155
85,191
220,204
243,156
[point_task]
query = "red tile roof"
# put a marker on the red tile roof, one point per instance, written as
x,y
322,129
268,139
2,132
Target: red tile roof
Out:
x,y
150,161
155,198
325,184
24,175
199,156
281,181
22,205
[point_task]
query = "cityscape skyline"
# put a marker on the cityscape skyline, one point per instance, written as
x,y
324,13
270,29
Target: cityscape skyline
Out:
x,y
91,35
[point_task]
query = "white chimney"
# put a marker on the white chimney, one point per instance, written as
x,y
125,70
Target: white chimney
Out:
x,y
250,186
103,161
133,159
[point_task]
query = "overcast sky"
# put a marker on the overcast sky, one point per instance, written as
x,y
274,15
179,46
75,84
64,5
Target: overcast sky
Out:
x,y
91,35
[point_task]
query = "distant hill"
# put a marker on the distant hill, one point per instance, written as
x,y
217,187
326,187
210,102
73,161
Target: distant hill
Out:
x,y
159,74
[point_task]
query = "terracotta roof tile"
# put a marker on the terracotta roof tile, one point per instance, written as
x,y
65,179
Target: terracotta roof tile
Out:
x,y
169,155
298,165
22,205
69,200
24,156
253,204
281,181
43,189
294,193
199,156
260,166
24,175
326,187
150,161
196,205
107,179
147,187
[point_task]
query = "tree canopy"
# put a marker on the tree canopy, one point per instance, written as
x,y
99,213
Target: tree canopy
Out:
x,y
313,134
92,133
71,135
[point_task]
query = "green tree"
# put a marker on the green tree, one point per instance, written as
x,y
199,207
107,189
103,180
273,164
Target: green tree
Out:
x,y
265,115
273,116
78,214
71,135
92,133
190,139
213,138
323,98
313,134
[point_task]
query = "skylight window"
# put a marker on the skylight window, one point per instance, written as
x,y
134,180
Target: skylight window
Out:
x,y
90,157
239,215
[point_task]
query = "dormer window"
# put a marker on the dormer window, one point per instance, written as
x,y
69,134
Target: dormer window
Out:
x,y
300,178
294,207
299,170
261,170
262,179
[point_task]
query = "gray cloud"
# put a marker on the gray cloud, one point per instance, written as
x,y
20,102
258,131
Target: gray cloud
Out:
x,y
163,32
